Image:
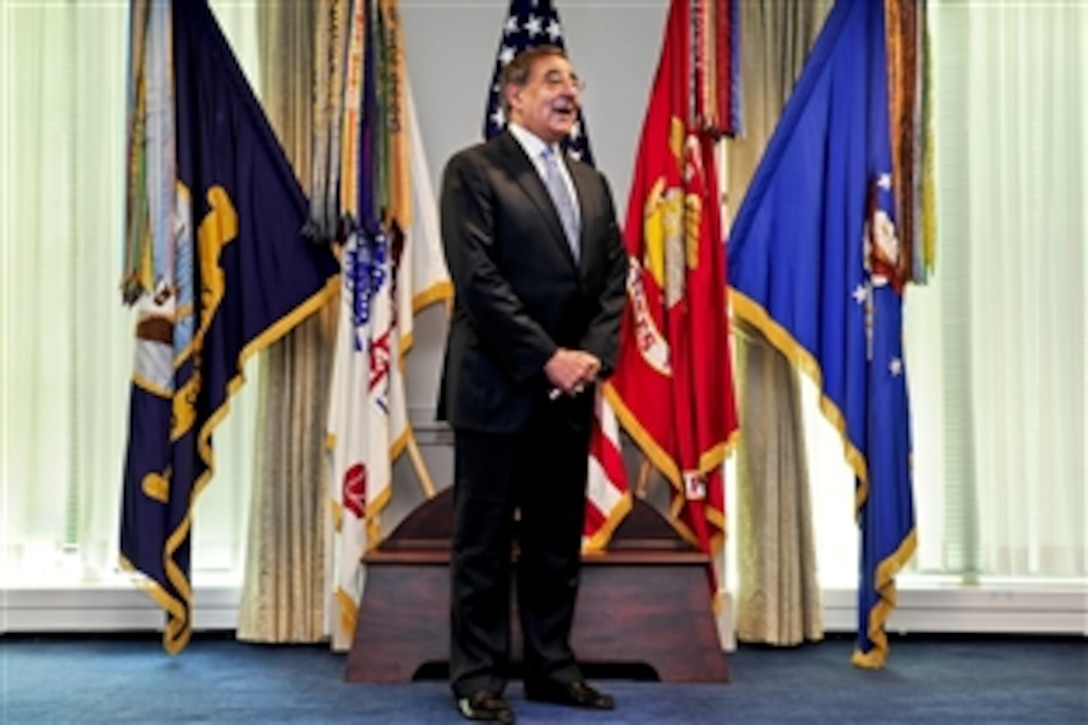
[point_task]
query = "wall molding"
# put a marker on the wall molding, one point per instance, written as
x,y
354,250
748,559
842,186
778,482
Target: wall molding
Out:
x,y
975,610
971,610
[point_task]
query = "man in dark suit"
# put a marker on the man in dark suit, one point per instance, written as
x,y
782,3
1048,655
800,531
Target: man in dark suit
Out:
x,y
539,268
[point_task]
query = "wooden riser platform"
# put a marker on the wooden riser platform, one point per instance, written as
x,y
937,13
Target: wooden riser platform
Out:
x,y
643,608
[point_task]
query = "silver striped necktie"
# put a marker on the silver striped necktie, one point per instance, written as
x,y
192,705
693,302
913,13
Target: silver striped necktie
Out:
x,y
561,198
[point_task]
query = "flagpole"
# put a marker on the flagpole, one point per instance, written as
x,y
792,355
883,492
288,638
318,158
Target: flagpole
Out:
x,y
645,470
422,474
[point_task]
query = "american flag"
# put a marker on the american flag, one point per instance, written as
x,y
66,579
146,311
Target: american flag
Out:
x,y
528,24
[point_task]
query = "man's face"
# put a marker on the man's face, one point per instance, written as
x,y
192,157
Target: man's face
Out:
x,y
548,103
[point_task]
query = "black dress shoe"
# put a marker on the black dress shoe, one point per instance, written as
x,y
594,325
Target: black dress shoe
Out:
x,y
573,694
485,705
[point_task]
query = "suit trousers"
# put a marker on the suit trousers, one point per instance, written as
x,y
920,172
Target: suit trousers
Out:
x,y
541,477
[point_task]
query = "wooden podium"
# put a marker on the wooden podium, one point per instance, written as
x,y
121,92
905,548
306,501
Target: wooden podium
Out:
x,y
644,606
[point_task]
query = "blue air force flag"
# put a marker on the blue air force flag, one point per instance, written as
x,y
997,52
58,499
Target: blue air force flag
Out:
x,y
243,276
812,263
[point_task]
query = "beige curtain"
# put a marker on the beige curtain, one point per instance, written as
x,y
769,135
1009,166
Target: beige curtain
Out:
x,y
778,597
284,589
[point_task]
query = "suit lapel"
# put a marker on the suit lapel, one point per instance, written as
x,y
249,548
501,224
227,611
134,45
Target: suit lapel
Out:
x,y
582,186
528,178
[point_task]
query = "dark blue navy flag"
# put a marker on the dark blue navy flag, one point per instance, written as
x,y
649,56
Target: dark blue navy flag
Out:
x,y
244,276
528,24
812,263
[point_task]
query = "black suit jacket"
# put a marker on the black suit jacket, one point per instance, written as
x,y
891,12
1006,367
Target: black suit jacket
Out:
x,y
520,295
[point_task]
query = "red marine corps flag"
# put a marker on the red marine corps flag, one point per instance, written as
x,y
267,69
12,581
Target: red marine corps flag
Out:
x,y
673,386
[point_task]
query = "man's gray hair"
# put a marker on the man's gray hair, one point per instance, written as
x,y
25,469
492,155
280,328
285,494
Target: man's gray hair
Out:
x,y
517,70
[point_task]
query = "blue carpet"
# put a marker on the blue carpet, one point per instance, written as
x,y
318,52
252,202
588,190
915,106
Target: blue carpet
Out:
x,y
218,680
